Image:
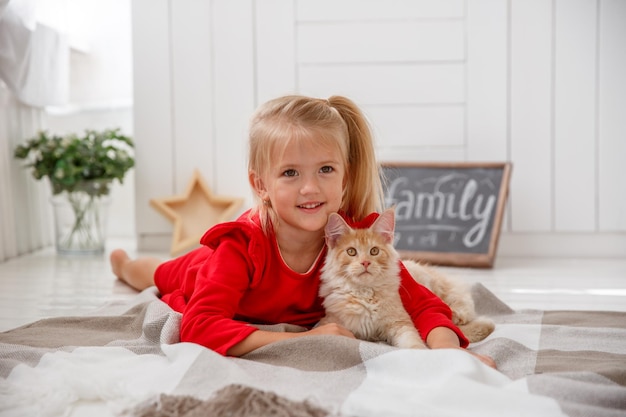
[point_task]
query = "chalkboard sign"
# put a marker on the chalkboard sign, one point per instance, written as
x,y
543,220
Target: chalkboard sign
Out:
x,y
447,213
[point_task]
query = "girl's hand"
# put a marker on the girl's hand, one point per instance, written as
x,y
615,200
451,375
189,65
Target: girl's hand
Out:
x,y
332,329
261,338
444,338
487,360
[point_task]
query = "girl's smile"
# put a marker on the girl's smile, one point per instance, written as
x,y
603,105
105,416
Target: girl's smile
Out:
x,y
310,206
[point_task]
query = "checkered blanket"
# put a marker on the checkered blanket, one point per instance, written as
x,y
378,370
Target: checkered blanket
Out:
x,y
126,360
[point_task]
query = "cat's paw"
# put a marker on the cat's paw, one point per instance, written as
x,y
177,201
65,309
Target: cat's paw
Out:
x,y
409,340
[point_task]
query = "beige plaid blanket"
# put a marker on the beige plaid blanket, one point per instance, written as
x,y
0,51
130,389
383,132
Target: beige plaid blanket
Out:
x,y
126,360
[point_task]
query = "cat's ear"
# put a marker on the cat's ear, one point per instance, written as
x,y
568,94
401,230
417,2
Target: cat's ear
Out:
x,y
335,228
385,224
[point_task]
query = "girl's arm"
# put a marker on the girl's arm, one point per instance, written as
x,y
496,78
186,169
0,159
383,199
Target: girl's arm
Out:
x,y
438,338
442,338
445,338
427,310
261,338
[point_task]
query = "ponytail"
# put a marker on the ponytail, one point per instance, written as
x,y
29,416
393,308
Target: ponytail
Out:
x,y
363,193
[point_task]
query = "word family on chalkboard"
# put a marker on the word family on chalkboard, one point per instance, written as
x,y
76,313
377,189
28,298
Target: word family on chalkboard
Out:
x,y
447,214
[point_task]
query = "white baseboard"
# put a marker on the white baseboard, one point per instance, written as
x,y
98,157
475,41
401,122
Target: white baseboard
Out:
x,y
154,242
563,245
159,243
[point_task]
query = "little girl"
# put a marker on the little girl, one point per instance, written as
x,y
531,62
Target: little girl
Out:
x,y
308,158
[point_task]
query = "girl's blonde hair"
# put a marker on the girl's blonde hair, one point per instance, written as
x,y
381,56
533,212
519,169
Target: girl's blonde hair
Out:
x,y
336,122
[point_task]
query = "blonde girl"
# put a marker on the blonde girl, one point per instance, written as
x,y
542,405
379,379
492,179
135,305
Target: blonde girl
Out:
x,y
308,157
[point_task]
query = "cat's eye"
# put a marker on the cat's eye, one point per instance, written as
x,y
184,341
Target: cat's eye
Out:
x,y
351,251
374,251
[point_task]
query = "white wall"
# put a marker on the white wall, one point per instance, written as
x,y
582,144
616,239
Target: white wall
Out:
x,y
539,83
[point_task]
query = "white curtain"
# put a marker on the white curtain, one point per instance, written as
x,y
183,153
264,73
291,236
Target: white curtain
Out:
x,y
25,212
34,72
34,58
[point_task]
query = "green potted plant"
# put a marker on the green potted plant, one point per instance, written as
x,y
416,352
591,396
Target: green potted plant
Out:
x,y
80,170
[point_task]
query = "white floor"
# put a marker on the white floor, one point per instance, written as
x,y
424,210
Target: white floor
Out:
x,y
45,285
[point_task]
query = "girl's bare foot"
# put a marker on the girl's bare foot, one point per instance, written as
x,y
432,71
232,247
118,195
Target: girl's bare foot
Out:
x,y
138,273
118,258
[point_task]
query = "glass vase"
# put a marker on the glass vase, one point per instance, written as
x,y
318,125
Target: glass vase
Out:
x,y
80,219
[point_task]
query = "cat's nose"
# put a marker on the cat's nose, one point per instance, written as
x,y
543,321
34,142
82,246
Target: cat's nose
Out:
x,y
365,264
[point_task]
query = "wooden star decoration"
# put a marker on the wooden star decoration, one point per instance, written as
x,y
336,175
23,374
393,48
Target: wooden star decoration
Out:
x,y
194,212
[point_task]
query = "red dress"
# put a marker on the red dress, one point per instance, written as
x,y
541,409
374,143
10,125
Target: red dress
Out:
x,y
238,277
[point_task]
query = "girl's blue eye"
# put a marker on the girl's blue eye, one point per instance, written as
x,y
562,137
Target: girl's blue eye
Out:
x,y
290,173
327,169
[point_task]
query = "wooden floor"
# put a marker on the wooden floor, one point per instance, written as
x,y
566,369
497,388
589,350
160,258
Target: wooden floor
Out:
x,y
45,285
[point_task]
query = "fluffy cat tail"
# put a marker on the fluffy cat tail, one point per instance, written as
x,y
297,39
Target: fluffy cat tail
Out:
x,y
457,295
478,329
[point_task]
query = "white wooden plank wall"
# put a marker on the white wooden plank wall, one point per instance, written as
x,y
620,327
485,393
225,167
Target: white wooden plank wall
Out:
x,y
574,132
192,104
538,82
487,112
611,116
233,101
531,109
386,61
153,124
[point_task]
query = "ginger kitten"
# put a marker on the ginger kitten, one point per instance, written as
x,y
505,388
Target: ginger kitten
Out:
x,y
360,282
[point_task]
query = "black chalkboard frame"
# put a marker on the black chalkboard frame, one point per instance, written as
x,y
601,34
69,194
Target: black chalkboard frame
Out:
x,y
462,259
